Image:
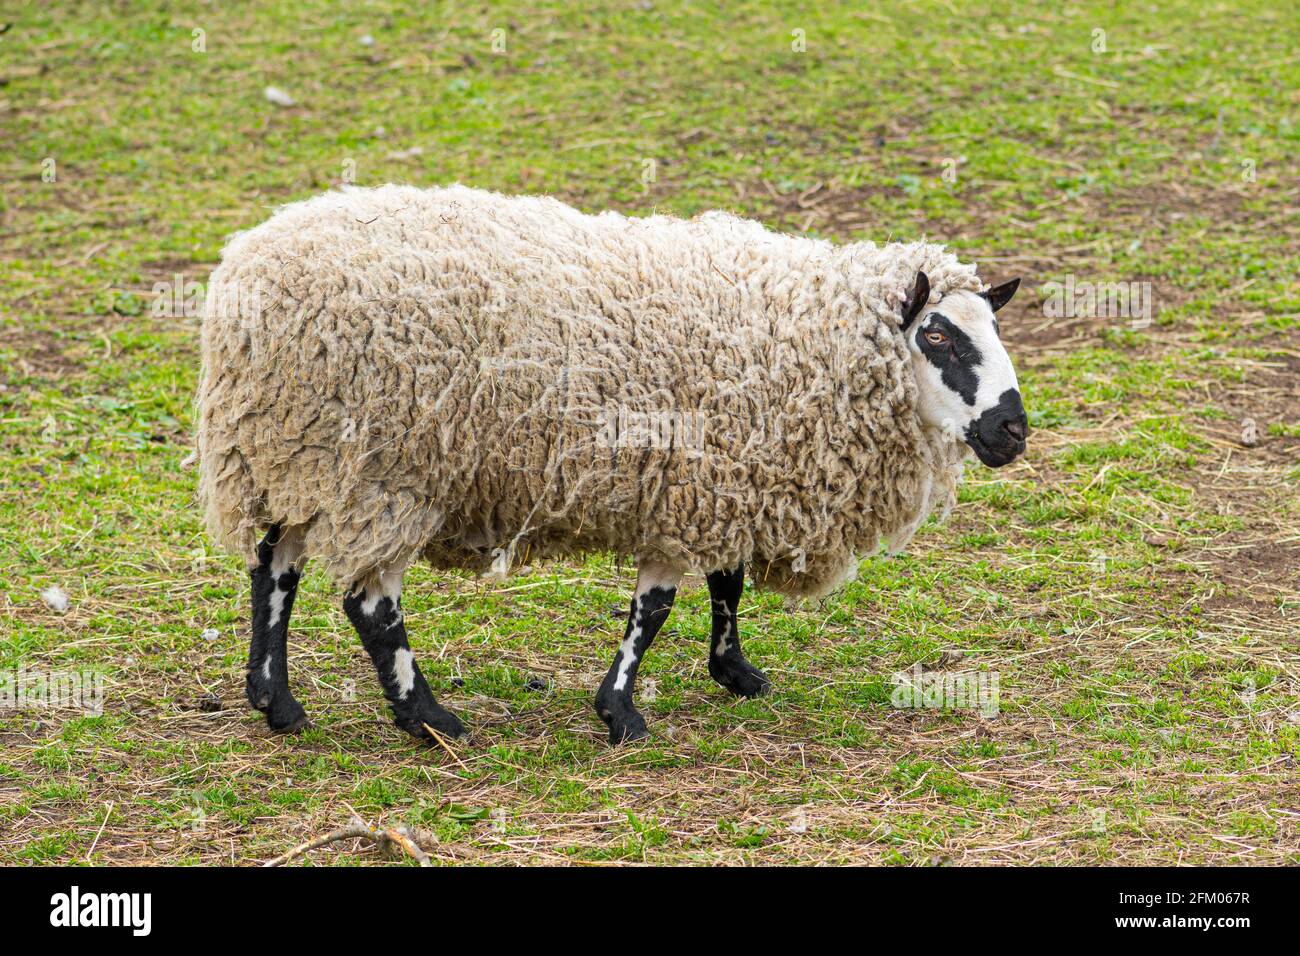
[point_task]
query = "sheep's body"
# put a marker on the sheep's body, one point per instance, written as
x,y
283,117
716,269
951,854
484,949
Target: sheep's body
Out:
x,y
482,379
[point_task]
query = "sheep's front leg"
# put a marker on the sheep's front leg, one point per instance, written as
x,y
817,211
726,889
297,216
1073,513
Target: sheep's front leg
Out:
x,y
275,584
727,664
375,609
656,587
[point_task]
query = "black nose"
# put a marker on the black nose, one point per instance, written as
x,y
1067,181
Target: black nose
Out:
x,y
998,435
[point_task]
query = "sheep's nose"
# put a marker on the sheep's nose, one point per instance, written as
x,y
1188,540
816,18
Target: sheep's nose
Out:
x,y
1016,428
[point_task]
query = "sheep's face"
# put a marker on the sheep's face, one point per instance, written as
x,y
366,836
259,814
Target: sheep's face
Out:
x,y
967,386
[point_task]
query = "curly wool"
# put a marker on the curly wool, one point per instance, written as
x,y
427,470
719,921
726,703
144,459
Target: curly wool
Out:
x,y
485,380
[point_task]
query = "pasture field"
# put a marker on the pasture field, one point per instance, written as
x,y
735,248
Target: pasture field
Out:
x,y
1133,584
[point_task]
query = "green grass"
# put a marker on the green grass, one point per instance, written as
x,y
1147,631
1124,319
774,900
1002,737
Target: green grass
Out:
x,y
1132,583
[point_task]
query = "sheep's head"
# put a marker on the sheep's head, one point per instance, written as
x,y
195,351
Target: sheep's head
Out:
x,y
967,386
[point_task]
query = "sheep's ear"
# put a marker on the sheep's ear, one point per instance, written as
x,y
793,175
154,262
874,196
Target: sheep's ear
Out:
x,y
915,301
1000,295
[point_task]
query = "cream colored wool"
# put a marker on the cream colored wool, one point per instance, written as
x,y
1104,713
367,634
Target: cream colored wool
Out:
x,y
487,380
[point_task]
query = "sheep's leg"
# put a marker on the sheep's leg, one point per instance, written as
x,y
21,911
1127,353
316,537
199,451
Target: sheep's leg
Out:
x,y
275,584
727,663
656,587
374,607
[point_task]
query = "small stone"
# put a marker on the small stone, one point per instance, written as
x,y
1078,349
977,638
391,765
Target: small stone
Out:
x,y
210,634
535,684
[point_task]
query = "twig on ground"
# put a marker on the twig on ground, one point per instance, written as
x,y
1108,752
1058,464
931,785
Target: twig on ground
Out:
x,y
357,829
446,746
107,813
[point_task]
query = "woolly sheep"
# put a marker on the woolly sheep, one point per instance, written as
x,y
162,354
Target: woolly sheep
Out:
x,y
480,380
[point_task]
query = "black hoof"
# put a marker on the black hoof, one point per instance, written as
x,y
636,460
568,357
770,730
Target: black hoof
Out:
x,y
284,715
627,731
289,719
740,677
444,722
624,722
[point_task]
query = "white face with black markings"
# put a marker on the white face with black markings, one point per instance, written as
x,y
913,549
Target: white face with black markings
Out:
x,y
967,386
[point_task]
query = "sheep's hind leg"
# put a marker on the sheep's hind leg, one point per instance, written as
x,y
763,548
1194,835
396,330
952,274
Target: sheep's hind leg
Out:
x,y
727,663
375,609
656,587
275,584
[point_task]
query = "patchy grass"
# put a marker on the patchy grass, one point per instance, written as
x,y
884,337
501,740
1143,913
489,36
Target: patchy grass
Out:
x,y
1132,583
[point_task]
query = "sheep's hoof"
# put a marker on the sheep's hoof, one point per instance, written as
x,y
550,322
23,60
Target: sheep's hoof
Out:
x,y
446,724
740,677
625,727
628,732
288,719
284,715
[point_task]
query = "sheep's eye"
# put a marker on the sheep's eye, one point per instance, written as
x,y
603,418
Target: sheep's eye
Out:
x,y
936,338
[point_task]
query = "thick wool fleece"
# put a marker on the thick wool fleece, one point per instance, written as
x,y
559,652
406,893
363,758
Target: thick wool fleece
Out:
x,y
487,380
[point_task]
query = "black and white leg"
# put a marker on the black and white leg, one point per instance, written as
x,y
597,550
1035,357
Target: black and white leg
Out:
x,y
656,587
727,663
275,584
374,607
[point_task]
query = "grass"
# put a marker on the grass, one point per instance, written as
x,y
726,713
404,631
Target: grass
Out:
x,y
1132,583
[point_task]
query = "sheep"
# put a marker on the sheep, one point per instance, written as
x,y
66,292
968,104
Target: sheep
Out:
x,y
478,380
